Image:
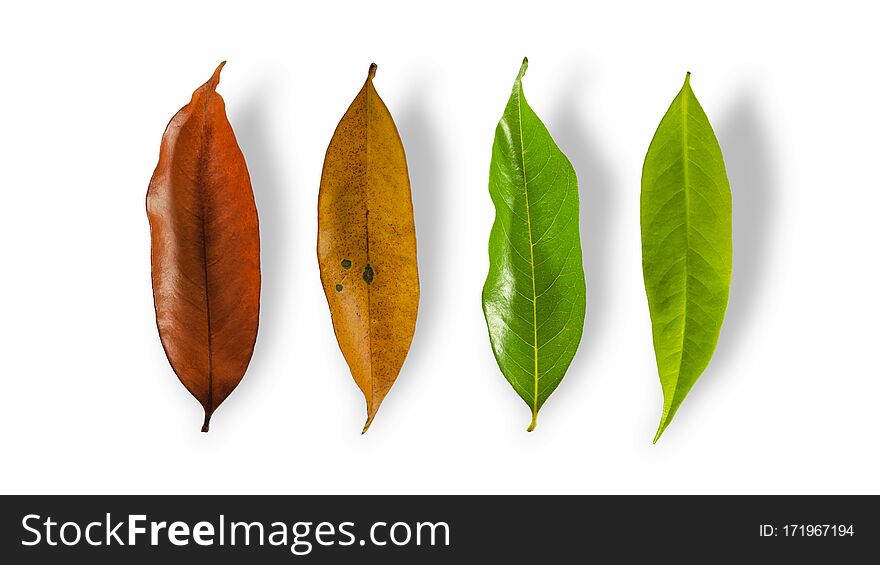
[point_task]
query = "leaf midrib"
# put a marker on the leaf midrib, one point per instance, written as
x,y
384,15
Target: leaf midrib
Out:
x,y
531,254
200,173
369,261
687,229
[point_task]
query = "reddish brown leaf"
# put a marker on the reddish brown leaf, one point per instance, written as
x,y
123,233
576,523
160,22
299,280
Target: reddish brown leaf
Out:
x,y
205,250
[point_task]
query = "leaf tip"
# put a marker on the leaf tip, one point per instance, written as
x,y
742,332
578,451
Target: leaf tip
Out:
x,y
367,424
523,68
664,423
215,78
372,72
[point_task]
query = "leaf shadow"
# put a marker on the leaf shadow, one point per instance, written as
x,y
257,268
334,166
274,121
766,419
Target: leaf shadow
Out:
x,y
426,161
748,157
572,132
253,126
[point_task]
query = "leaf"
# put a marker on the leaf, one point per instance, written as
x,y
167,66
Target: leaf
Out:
x,y
367,245
534,298
205,250
686,246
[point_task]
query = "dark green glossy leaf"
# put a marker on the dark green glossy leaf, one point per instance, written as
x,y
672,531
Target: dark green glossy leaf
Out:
x,y
686,246
535,294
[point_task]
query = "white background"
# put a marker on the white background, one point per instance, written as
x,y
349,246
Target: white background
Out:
x,y
790,403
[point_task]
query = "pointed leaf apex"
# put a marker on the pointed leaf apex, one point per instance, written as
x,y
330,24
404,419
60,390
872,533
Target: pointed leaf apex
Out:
x,y
215,78
522,69
367,424
664,423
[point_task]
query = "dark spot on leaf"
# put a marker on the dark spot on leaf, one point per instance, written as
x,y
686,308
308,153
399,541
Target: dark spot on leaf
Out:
x,y
339,288
346,263
368,274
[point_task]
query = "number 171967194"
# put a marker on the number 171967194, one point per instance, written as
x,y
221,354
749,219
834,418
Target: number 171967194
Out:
x,y
807,530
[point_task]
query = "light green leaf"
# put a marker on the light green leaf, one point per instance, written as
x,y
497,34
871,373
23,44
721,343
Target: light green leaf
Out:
x,y
686,246
535,295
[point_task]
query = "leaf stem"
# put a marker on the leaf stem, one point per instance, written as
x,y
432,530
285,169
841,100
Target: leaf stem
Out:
x,y
534,421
